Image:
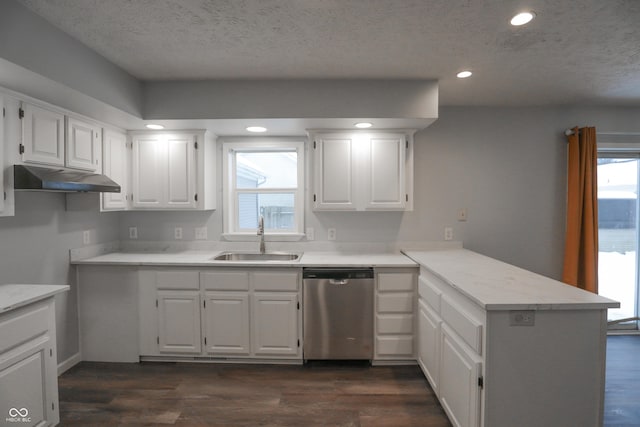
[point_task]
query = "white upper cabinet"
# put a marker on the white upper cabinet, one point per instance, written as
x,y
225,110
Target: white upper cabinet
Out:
x,y
360,171
148,171
50,137
384,169
42,135
172,170
181,171
164,172
334,172
83,145
115,164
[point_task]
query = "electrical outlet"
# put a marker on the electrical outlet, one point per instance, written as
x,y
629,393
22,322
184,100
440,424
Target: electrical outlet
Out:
x,y
522,318
133,232
86,237
462,214
331,234
310,234
448,233
177,233
201,233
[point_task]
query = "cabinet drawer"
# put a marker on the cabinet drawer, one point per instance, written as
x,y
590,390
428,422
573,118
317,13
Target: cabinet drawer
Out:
x,y
225,280
23,325
395,323
395,282
469,329
276,281
429,293
395,303
177,280
394,346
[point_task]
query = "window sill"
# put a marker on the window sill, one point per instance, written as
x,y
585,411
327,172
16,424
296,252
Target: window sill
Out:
x,y
268,237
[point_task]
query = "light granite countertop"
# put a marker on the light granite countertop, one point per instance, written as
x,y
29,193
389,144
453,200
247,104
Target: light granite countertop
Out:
x,y
205,259
13,296
495,285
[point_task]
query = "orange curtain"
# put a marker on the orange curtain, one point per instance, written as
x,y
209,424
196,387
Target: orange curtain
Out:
x,y
581,242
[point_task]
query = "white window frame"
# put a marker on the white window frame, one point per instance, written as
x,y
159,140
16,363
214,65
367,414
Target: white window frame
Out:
x,y
229,193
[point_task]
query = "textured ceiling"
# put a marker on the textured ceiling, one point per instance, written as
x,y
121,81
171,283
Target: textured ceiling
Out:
x,y
574,52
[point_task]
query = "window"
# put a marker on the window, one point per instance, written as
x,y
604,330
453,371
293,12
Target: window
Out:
x,y
263,178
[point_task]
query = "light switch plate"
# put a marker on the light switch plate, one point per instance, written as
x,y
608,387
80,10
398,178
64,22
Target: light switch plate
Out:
x,y
310,234
86,237
133,232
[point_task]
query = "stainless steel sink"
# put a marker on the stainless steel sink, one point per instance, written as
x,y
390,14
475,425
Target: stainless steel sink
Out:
x,y
257,256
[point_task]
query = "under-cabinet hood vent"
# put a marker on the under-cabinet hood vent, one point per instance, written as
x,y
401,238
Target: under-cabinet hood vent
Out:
x,y
37,178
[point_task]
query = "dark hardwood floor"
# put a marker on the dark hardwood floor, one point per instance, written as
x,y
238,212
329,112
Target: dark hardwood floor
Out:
x,y
318,394
622,390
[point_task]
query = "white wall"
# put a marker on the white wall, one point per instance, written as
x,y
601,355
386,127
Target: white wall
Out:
x,y
34,248
506,166
31,42
308,98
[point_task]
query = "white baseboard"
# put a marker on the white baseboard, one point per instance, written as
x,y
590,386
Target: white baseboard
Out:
x,y
65,365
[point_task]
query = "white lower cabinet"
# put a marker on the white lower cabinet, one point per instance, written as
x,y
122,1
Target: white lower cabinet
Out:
x,y
28,368
222,312
225,319
460,370
275,324
179,322
429,344
394,314
450,349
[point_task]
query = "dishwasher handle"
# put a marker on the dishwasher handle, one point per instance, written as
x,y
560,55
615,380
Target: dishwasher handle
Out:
x,y
339,282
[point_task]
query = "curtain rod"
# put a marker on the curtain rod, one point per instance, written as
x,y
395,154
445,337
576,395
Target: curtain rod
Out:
x,y
570,132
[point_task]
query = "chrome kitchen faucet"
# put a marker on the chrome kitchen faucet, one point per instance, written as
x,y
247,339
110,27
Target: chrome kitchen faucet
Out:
x,y
261,233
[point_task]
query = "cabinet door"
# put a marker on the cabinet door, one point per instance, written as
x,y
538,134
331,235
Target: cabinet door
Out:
x,y
179,322
275,324
42,136
28,384
384,164
226,323
148,171
83,145
181,172
334,173
429,344
460,369
115,166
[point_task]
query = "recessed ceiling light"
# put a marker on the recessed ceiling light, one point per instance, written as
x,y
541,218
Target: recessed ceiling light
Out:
x,y
154,127
363,125
522,18
464,74
256,129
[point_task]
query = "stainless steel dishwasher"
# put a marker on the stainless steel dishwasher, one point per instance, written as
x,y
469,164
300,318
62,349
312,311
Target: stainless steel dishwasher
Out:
x,y
338,313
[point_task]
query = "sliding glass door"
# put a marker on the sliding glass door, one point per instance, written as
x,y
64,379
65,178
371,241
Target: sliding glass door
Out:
x,y
618,182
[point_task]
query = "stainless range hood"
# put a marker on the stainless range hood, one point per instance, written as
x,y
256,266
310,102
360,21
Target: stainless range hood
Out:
x,y
38,178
